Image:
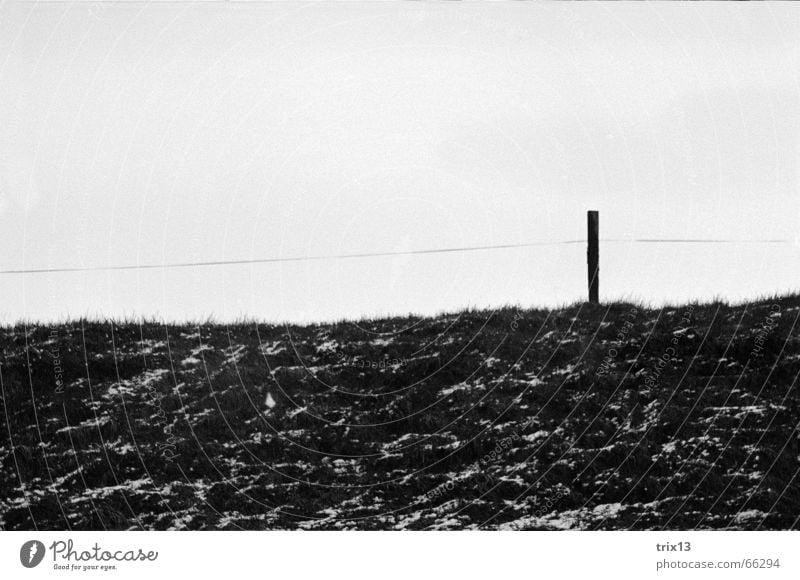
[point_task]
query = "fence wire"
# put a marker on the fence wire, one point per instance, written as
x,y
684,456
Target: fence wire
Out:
x,y
376,255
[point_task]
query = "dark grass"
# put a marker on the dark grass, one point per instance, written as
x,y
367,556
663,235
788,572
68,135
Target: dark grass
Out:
x,y
145,434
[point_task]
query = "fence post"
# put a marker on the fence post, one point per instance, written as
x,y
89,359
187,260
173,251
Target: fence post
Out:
x,y
593,255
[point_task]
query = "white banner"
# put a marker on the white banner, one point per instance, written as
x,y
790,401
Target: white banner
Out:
x,y
373,555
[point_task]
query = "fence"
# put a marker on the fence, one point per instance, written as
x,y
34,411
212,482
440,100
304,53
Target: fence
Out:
x,y
592,255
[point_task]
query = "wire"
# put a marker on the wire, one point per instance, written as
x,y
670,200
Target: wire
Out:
x,y
277,260
701,241
371,255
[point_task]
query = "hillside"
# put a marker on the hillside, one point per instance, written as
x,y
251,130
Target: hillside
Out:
x,y
587,417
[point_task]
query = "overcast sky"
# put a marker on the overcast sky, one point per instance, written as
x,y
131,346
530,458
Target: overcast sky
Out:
x,y
145,133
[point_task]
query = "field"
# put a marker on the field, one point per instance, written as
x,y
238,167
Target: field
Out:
x,y
585,417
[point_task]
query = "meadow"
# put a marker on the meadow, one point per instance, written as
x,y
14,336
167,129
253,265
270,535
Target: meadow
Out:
x,y
588,417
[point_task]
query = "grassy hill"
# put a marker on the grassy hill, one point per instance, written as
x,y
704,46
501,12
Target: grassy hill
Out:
x,y
586,417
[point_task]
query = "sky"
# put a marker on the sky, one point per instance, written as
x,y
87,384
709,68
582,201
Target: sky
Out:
x,y
156,132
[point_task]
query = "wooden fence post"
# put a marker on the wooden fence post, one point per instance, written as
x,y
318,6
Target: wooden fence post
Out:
x,y
593,255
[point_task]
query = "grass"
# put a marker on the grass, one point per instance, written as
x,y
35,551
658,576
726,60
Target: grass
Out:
x,y
558,418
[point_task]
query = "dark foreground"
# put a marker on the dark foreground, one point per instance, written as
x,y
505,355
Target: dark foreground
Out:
x,y
612,417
